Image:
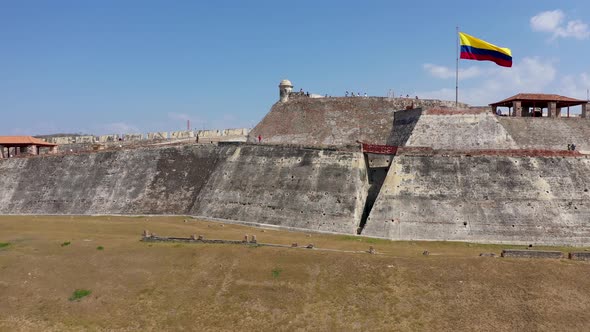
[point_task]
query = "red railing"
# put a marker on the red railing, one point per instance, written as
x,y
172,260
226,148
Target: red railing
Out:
x,y
379,149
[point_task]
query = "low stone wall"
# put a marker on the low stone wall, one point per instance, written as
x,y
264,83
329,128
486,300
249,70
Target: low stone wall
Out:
x,y
515,253
85,143
579,256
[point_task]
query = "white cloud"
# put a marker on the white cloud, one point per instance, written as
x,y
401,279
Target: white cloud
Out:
x,y
532,74
446,72
552,22
547,21
576,29
575,86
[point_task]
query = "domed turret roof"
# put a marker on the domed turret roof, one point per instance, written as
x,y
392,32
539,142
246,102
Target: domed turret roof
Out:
x,y
285,83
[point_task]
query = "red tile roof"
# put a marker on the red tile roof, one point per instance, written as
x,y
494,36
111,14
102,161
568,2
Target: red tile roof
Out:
x,y
542,97
23,140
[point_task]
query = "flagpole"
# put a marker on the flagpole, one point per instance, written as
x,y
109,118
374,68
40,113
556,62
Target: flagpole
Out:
x,y
457,72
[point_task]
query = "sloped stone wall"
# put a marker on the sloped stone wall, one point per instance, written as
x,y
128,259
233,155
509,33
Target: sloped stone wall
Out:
x,y
541,200
285,186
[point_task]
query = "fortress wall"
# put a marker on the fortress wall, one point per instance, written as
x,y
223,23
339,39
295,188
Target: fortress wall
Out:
x,y
223,135
182,134
160,135
334,121
548,133
139,181
540,200
287,186
133,137
445,129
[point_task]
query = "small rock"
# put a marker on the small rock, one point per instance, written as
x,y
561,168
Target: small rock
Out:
x,y
371,250
426,253
309,246
308,235
487,254
185,220
294,245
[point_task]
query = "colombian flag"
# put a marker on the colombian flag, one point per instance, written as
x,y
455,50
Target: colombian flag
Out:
x,y
477,49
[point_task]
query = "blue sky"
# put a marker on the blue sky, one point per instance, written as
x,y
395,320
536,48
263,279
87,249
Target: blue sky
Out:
x,y
137,66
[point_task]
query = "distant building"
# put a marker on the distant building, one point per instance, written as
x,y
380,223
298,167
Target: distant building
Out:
x,y
11,146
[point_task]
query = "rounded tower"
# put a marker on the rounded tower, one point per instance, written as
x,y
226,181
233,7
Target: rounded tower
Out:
x,y
285,88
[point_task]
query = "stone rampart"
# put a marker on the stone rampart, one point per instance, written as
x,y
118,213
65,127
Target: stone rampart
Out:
x,y
548,133
335,121
284,186
450,129
302,188
486,198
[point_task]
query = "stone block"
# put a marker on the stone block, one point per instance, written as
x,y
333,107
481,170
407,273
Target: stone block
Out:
x,y
579,256
518,253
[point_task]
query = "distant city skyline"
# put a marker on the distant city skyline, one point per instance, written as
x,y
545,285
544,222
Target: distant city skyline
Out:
x,y
142,66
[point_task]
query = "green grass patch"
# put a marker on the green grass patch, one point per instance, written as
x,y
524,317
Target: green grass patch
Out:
x,y
100,248
4,244
65,244
79,293
276,272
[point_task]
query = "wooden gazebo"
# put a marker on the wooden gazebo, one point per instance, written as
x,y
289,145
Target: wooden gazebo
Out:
x,y
533,104
11,146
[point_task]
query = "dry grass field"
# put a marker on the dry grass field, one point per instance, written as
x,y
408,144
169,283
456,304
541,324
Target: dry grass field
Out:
x,y
135,285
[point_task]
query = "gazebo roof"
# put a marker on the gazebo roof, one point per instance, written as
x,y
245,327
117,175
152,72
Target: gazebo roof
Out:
x,y
540,99
23,141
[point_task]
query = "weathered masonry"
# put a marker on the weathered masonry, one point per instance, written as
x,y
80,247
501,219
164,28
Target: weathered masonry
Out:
x,y
286,186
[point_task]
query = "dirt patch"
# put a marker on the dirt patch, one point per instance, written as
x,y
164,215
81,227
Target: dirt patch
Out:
x,y
173,286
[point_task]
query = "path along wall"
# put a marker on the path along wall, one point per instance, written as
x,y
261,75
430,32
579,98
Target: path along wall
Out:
x,y
527,199
286,186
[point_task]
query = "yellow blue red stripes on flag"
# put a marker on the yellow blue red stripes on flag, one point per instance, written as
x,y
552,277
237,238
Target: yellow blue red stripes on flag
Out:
x,y
476,49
